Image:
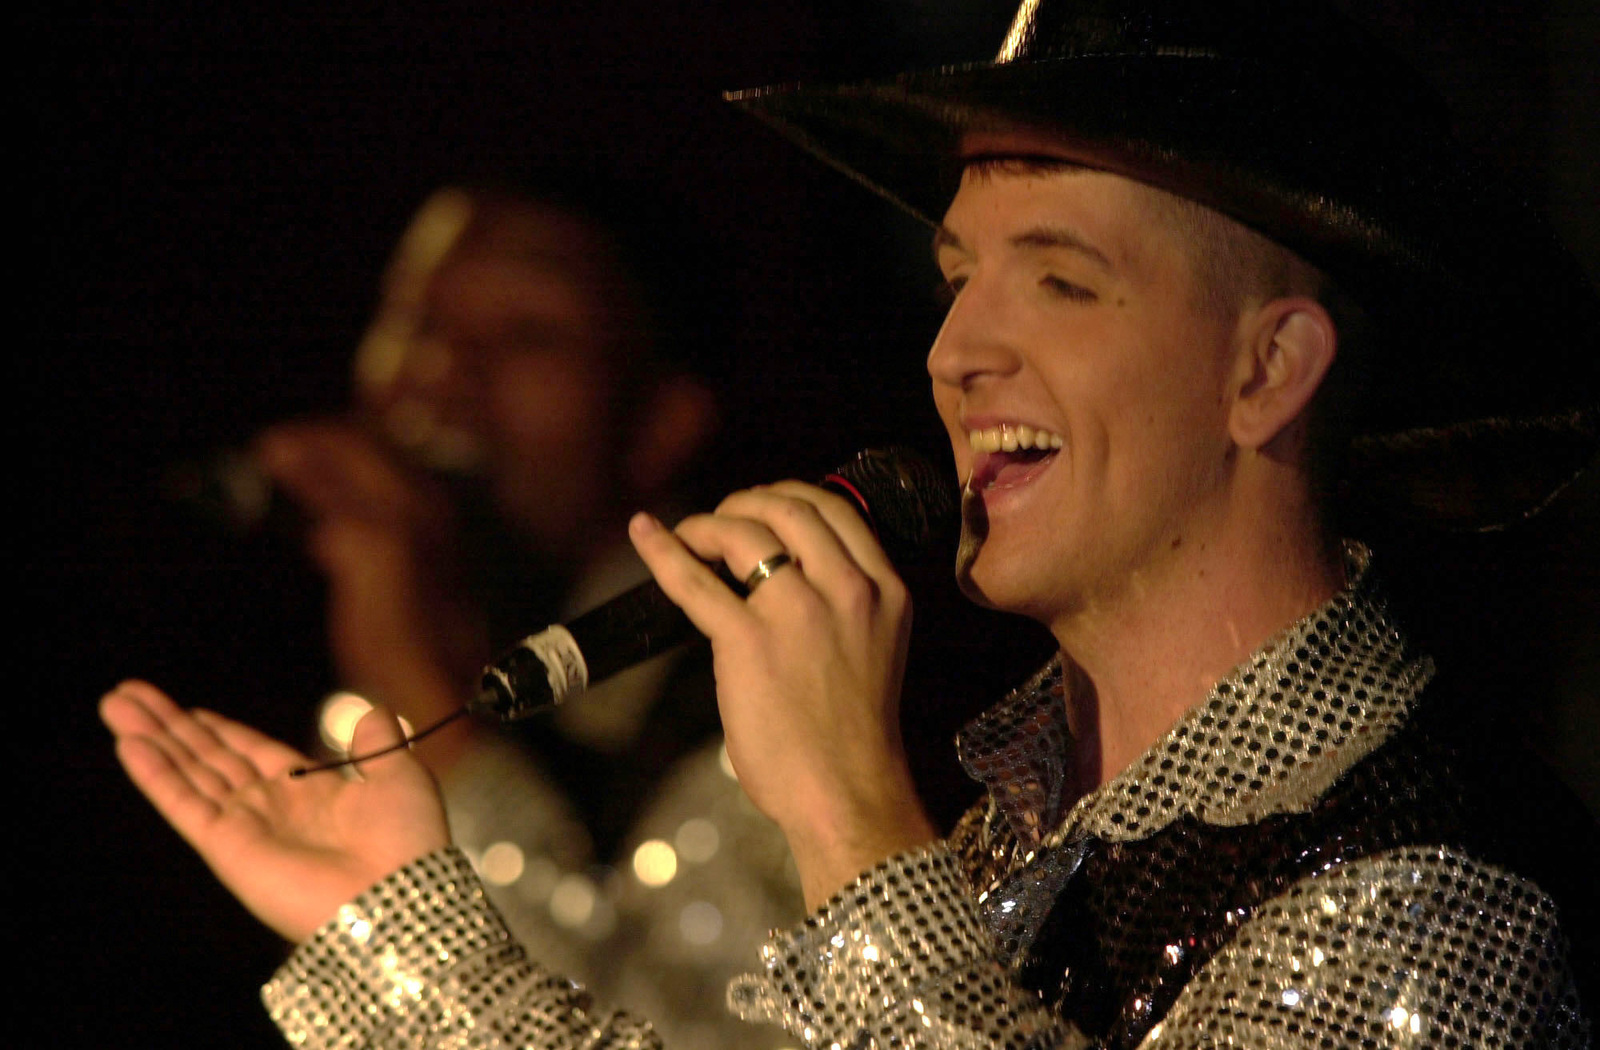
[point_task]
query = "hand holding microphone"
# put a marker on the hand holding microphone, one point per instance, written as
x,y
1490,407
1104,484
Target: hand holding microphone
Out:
x,y
893,499
901,498
809,665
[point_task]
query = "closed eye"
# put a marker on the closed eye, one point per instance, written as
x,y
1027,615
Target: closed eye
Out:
x,y
1067,290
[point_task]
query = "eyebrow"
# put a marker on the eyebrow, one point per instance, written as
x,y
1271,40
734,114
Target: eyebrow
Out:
x,y
1044,238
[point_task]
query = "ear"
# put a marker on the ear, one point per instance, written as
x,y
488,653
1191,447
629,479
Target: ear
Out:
x,y
1286,348
678,419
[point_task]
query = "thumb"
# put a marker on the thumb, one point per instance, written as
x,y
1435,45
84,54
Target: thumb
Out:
x,y
379,730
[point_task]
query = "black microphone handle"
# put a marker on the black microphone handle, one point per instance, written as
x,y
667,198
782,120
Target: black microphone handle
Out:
x,y
900,494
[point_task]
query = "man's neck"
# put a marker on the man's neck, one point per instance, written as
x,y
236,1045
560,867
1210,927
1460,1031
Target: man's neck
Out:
x,y
1137,663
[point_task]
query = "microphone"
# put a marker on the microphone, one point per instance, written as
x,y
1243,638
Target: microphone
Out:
x,y
230,488
907,501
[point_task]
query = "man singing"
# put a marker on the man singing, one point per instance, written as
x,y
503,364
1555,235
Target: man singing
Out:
x,y
1212,268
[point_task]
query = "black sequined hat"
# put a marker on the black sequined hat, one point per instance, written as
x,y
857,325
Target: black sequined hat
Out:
x,y
1480,384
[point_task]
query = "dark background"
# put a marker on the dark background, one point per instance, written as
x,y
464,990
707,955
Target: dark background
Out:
x,y
207,196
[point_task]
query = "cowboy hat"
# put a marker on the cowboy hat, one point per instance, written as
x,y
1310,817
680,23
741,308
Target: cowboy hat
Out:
x,y
1479,386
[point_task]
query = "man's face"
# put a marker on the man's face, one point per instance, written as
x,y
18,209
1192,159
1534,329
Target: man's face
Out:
x,y
511,358
1077,325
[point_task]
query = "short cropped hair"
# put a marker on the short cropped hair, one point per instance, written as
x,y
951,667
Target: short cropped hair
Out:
x,y
1236,264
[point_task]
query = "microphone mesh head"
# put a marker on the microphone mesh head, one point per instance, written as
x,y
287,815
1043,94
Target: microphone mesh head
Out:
x,y
906,498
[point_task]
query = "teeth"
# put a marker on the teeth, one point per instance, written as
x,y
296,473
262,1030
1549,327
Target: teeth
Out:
x,y
1010,438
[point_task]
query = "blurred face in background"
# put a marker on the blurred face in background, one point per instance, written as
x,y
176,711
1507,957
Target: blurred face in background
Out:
x,y
503,350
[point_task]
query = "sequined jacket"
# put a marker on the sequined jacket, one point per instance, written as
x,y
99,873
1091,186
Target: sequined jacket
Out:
x,y
1295,863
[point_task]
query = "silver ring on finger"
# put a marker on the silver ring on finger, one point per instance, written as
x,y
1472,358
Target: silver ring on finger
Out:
x,y
765,568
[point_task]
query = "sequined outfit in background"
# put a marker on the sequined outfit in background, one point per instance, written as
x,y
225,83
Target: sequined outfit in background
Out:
x,y
621,851
1293,864
663,935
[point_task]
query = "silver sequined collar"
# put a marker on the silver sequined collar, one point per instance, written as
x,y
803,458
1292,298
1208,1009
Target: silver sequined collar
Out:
x,y
1269,738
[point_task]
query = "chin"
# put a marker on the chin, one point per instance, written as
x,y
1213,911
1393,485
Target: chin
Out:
x,y
982,561
976,580
969,586
1000,574
974,531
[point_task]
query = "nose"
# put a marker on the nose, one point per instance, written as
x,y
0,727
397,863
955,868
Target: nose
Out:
x,y
433,362
971,343
417,373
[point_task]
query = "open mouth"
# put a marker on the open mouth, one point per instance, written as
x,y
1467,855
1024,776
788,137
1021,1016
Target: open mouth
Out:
x,y
1009,455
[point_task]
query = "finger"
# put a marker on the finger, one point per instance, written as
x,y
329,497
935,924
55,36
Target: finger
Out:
x,y
335,469
739,543
124,715
269,757
708,602
169,790
767,568
138,710
372,474
844,517
209,750
137,707
833,551
293,454
379,730
359,552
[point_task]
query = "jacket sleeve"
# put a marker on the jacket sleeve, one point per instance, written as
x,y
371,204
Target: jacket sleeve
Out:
x,y
421,961
898,959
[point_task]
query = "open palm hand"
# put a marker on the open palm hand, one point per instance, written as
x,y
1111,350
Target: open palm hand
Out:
x,y
291,849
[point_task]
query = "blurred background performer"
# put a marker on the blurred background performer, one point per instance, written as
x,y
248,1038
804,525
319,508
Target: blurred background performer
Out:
x,y
93,391
529,377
